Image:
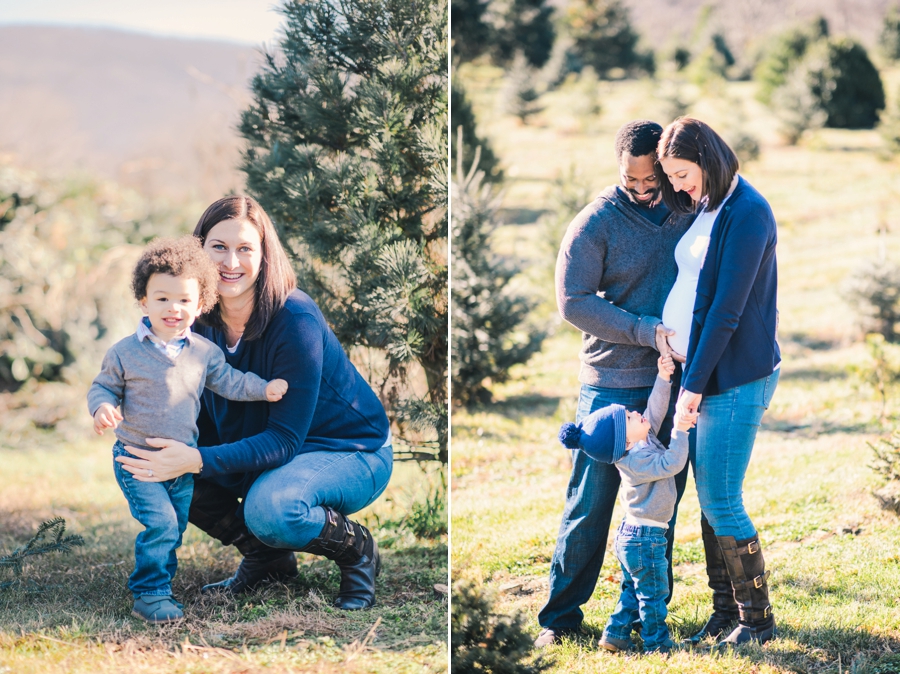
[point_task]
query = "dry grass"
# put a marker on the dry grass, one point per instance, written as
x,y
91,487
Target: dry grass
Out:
x,y
72,612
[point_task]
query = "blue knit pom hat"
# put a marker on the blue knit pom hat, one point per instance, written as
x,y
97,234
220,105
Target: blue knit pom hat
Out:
x,y
601,435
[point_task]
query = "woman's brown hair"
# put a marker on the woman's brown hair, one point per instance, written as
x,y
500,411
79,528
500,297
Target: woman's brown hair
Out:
x,y
695,141
276,276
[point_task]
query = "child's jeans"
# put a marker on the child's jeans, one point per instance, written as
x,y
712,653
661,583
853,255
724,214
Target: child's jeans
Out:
x,y
162,507
641,552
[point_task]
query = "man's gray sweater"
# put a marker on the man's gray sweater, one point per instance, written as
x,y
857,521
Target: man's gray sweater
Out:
x,y
159,395
613,273
648,470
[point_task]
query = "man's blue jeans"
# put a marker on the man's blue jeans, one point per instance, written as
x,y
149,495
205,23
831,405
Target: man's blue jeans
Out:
x,y
726,431
590,499
162,507
641,552
285,507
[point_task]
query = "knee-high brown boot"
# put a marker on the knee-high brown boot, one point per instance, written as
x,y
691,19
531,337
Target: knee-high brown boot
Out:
x,y
749,578
725,609
351,546
216,511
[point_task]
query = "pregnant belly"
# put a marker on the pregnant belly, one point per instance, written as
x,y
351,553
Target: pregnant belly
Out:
x,y
678,312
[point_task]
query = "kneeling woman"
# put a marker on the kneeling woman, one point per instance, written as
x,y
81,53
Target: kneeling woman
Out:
x,y
722,308
299,466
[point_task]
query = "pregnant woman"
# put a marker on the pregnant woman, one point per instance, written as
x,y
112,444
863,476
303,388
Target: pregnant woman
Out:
x,y
300,466
723,311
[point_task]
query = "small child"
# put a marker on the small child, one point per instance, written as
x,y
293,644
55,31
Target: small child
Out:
x,y
628,439
157,376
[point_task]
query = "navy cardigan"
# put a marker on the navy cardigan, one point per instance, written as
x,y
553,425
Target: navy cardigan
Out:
x,y
328,406
733,330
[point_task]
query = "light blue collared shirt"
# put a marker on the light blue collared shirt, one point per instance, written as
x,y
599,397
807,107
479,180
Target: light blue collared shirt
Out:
x,y
171,348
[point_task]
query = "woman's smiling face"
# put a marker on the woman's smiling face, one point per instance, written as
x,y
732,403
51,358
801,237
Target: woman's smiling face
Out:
x,y
685,176
236,248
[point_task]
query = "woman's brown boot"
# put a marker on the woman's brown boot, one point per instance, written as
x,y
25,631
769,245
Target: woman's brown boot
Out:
x,y
725,609
749,578
351,546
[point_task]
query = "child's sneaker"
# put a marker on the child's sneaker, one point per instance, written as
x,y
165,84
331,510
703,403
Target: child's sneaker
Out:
x,y
157,609
614,645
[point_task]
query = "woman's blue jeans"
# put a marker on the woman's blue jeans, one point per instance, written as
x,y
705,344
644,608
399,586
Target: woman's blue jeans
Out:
x,y
641,552
162,507
726,431
285,507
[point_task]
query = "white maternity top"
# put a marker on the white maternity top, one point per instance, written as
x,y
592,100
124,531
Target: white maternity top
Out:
x,y
678,312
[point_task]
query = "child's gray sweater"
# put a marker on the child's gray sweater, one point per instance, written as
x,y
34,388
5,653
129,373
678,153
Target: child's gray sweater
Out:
x,y
160,396
648,470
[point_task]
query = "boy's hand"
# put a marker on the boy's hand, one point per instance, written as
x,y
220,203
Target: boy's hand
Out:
x,y
105,417
666,366
684,422
275,389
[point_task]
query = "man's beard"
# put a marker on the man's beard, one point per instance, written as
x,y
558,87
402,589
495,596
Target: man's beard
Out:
x,y
633,194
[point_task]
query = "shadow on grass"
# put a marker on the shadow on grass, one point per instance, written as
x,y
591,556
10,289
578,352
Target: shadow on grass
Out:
x,y
816,428
813,374
520,216
812,342
518,407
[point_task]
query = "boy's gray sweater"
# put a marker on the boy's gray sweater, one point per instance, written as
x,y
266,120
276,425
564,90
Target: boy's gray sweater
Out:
x,y
160,396
613,274
648,470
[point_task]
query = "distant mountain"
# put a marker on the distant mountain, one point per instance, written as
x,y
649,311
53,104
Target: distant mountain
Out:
x,y
156,113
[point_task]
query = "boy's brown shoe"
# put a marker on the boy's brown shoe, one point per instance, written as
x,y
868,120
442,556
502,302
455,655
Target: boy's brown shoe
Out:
x,y
614,645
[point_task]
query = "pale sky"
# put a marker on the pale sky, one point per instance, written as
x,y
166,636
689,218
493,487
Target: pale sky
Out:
x,y
247,21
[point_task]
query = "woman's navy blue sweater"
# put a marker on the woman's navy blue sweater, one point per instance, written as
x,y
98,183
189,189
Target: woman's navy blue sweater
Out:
x,y
733,331
328,405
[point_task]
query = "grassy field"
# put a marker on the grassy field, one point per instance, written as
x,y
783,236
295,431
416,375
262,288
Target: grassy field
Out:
x,y
834,554
72,613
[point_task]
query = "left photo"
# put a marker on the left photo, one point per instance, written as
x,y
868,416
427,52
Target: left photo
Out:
x,y
224,336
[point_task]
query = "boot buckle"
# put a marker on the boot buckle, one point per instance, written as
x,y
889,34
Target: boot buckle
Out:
x,y
752,547
329,514
758,582
767,611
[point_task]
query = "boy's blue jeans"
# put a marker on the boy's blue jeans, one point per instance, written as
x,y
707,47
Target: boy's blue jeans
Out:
x,y
641,552
162,507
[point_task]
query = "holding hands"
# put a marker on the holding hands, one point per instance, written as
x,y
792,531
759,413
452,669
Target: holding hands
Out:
x,y
275,389
666,366
105,417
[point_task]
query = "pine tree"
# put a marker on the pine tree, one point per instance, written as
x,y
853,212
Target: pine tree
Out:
x,y
519,96
489,330
347,152
462,115
603,37
890,34
520,26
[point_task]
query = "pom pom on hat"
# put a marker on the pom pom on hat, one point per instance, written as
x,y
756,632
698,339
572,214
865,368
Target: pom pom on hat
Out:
x,y
570,435
601,435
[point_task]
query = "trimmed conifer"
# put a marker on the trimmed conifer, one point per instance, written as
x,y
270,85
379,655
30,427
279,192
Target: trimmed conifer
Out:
x,y
347,151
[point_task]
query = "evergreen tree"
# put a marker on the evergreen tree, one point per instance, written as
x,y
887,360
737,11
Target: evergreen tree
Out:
x,y
603,37
487,315
845,82
462,115
519,96
890,34
784,54
471,35
484,642
520,26
347,151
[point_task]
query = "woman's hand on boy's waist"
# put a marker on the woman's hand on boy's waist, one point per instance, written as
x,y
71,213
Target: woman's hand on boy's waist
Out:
x,y
171,460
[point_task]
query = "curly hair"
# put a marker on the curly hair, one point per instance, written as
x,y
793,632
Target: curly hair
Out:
x,y
637,138
177,257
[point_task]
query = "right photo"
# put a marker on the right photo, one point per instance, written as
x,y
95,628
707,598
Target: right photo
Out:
x,y
675,336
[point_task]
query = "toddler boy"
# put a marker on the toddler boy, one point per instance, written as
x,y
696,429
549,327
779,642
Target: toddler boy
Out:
x,y
157,376
628,439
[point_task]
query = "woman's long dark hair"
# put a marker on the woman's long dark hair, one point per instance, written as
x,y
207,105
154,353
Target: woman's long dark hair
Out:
x,y
276,276
695,141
